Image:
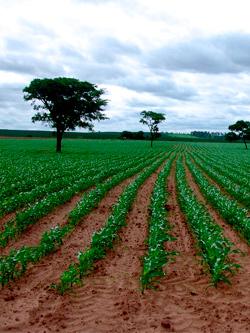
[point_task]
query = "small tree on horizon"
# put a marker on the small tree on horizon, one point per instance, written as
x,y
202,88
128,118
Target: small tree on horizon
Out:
x,y
239,130
65,103
231,136
152,120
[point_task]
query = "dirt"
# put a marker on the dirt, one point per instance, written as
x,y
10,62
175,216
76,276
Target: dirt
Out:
x,y
219,187
32,234
32,291
110,299
228,231
5,219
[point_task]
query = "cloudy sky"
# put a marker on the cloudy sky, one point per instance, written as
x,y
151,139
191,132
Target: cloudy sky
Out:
x,y
187,59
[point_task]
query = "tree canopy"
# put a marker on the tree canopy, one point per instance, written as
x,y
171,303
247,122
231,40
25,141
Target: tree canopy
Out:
x,y
65,103
152,120
132,135
239,130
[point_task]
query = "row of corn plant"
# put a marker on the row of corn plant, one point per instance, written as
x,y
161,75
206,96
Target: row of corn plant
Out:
x,y
15,181
22,173
22,199
30,216
103,239
26,177
158,233
15,264
237,189
232,159
215,248
225,168
228,208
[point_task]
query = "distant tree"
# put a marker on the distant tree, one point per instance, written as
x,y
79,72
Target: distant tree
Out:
x,y
201,134
231,136
209,136
241,130
139,135
65,103
152,120
126,135
132,135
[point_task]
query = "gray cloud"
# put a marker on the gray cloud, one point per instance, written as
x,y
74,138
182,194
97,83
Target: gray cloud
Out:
x,y
14,112
239,112
141,103
97,2
159,87
92,1
98,73
11,96
102,63
230,100
196,123
189,79
18,45
31,65
69,54
108,49
227,53
22,56
36,29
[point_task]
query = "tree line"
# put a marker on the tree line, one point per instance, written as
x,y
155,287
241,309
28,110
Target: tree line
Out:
x,y
239,131
67,103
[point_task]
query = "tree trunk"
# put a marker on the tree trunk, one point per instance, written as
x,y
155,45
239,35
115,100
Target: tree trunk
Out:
x,y
245,142
151,139
59,135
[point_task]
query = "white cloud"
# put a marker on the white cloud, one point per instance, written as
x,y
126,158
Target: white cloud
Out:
x,y
189,59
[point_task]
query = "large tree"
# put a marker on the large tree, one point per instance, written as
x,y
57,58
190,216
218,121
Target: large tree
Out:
x,y
65,103
239,130
152,120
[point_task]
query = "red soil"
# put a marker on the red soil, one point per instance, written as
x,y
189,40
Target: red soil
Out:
x,y
218,186
110,299
32,235
227,229
5,219
32,292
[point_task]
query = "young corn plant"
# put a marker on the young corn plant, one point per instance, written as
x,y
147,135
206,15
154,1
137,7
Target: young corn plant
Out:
x,y
41,208
103,239
158,233
24,198
215,248
15,264
228,208
241,192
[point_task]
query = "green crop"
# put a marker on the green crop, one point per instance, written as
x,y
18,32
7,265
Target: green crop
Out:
x,y
53,238
228,208
103,239
237,187
157,256
41,208
215,248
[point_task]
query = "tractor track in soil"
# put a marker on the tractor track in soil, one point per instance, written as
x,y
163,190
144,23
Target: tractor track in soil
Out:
x,y
228,306
32,235
220,187
110,299
228,231
172,303
23,299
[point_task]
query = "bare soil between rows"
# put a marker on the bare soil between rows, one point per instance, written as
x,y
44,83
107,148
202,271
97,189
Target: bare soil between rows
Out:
x,y
32,235
110,299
